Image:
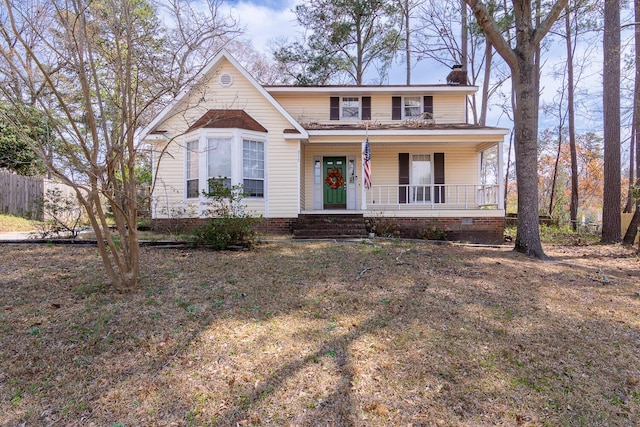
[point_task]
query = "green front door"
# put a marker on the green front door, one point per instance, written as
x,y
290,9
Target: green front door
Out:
x,y
334,182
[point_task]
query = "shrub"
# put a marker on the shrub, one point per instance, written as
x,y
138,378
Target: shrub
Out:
x,y
229,225
432,231
63,215
382,226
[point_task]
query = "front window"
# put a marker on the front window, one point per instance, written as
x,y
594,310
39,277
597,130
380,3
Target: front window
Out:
x,y
412,107
219,160
421,178
253,168
192,169
350,108
227,159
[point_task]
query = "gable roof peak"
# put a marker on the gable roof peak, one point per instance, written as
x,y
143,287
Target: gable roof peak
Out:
x,y
222,54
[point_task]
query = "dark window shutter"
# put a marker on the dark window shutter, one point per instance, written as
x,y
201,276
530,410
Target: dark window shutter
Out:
x,y
403,177
366,108
428,106
396,108
334,108
438,177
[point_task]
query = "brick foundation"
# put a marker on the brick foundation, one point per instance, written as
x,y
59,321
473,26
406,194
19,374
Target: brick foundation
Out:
x,y
186,225
471,230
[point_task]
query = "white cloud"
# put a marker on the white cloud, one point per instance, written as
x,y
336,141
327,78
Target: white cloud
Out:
x,y
264,24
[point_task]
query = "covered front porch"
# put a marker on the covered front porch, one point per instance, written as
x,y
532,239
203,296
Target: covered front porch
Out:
x,y
406,179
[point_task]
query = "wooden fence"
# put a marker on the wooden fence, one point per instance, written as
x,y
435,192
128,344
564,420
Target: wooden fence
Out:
x,y
22,195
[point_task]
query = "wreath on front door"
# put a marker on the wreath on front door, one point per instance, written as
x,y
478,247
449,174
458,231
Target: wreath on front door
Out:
x,y
334,179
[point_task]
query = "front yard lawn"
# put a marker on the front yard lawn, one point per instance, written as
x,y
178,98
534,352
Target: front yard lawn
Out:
x,y
322,333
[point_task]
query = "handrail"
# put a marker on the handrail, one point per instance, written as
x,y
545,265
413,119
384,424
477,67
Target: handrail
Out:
x,y
435,196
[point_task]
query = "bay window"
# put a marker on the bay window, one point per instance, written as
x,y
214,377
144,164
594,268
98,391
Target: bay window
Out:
x,y
253,168
192,170
232,156
219,160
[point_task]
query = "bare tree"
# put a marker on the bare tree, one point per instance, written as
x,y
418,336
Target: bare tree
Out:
x,y
522,60
96,68
437,40
406,8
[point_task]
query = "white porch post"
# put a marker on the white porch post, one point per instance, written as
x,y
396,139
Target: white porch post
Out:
x,y
501,200
363,192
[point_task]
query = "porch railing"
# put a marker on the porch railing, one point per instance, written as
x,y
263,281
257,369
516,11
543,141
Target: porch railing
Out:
x,y
438,196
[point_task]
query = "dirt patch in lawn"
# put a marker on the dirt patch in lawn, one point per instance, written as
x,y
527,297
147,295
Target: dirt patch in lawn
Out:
x,y
322,333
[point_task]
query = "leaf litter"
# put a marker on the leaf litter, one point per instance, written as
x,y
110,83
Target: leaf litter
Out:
x,y
322,333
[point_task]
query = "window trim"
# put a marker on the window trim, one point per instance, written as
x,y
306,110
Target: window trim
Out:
x,y
222,137
246,139
237,137
187,163
414,186
420,107
342,106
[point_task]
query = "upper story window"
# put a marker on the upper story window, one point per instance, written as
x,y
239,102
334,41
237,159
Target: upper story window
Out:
x,y
350,108
412,107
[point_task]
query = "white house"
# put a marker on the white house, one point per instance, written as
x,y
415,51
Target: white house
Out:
x,y
298,152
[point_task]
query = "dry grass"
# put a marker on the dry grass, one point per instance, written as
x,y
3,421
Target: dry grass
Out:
x,y
330,334
15,223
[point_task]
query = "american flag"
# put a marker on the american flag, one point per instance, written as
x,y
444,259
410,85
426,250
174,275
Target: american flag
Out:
x,y
366,159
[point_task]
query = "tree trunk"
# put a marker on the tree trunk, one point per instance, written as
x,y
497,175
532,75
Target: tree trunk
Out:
x,y
611,110
632,230
523,62
573,204
408,39
552,193
488,58
628,207
526,147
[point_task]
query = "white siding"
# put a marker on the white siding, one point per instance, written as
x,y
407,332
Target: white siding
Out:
x,y
314,108
281,156
461,163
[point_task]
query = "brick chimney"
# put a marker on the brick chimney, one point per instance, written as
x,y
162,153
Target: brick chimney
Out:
x,y
457,76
